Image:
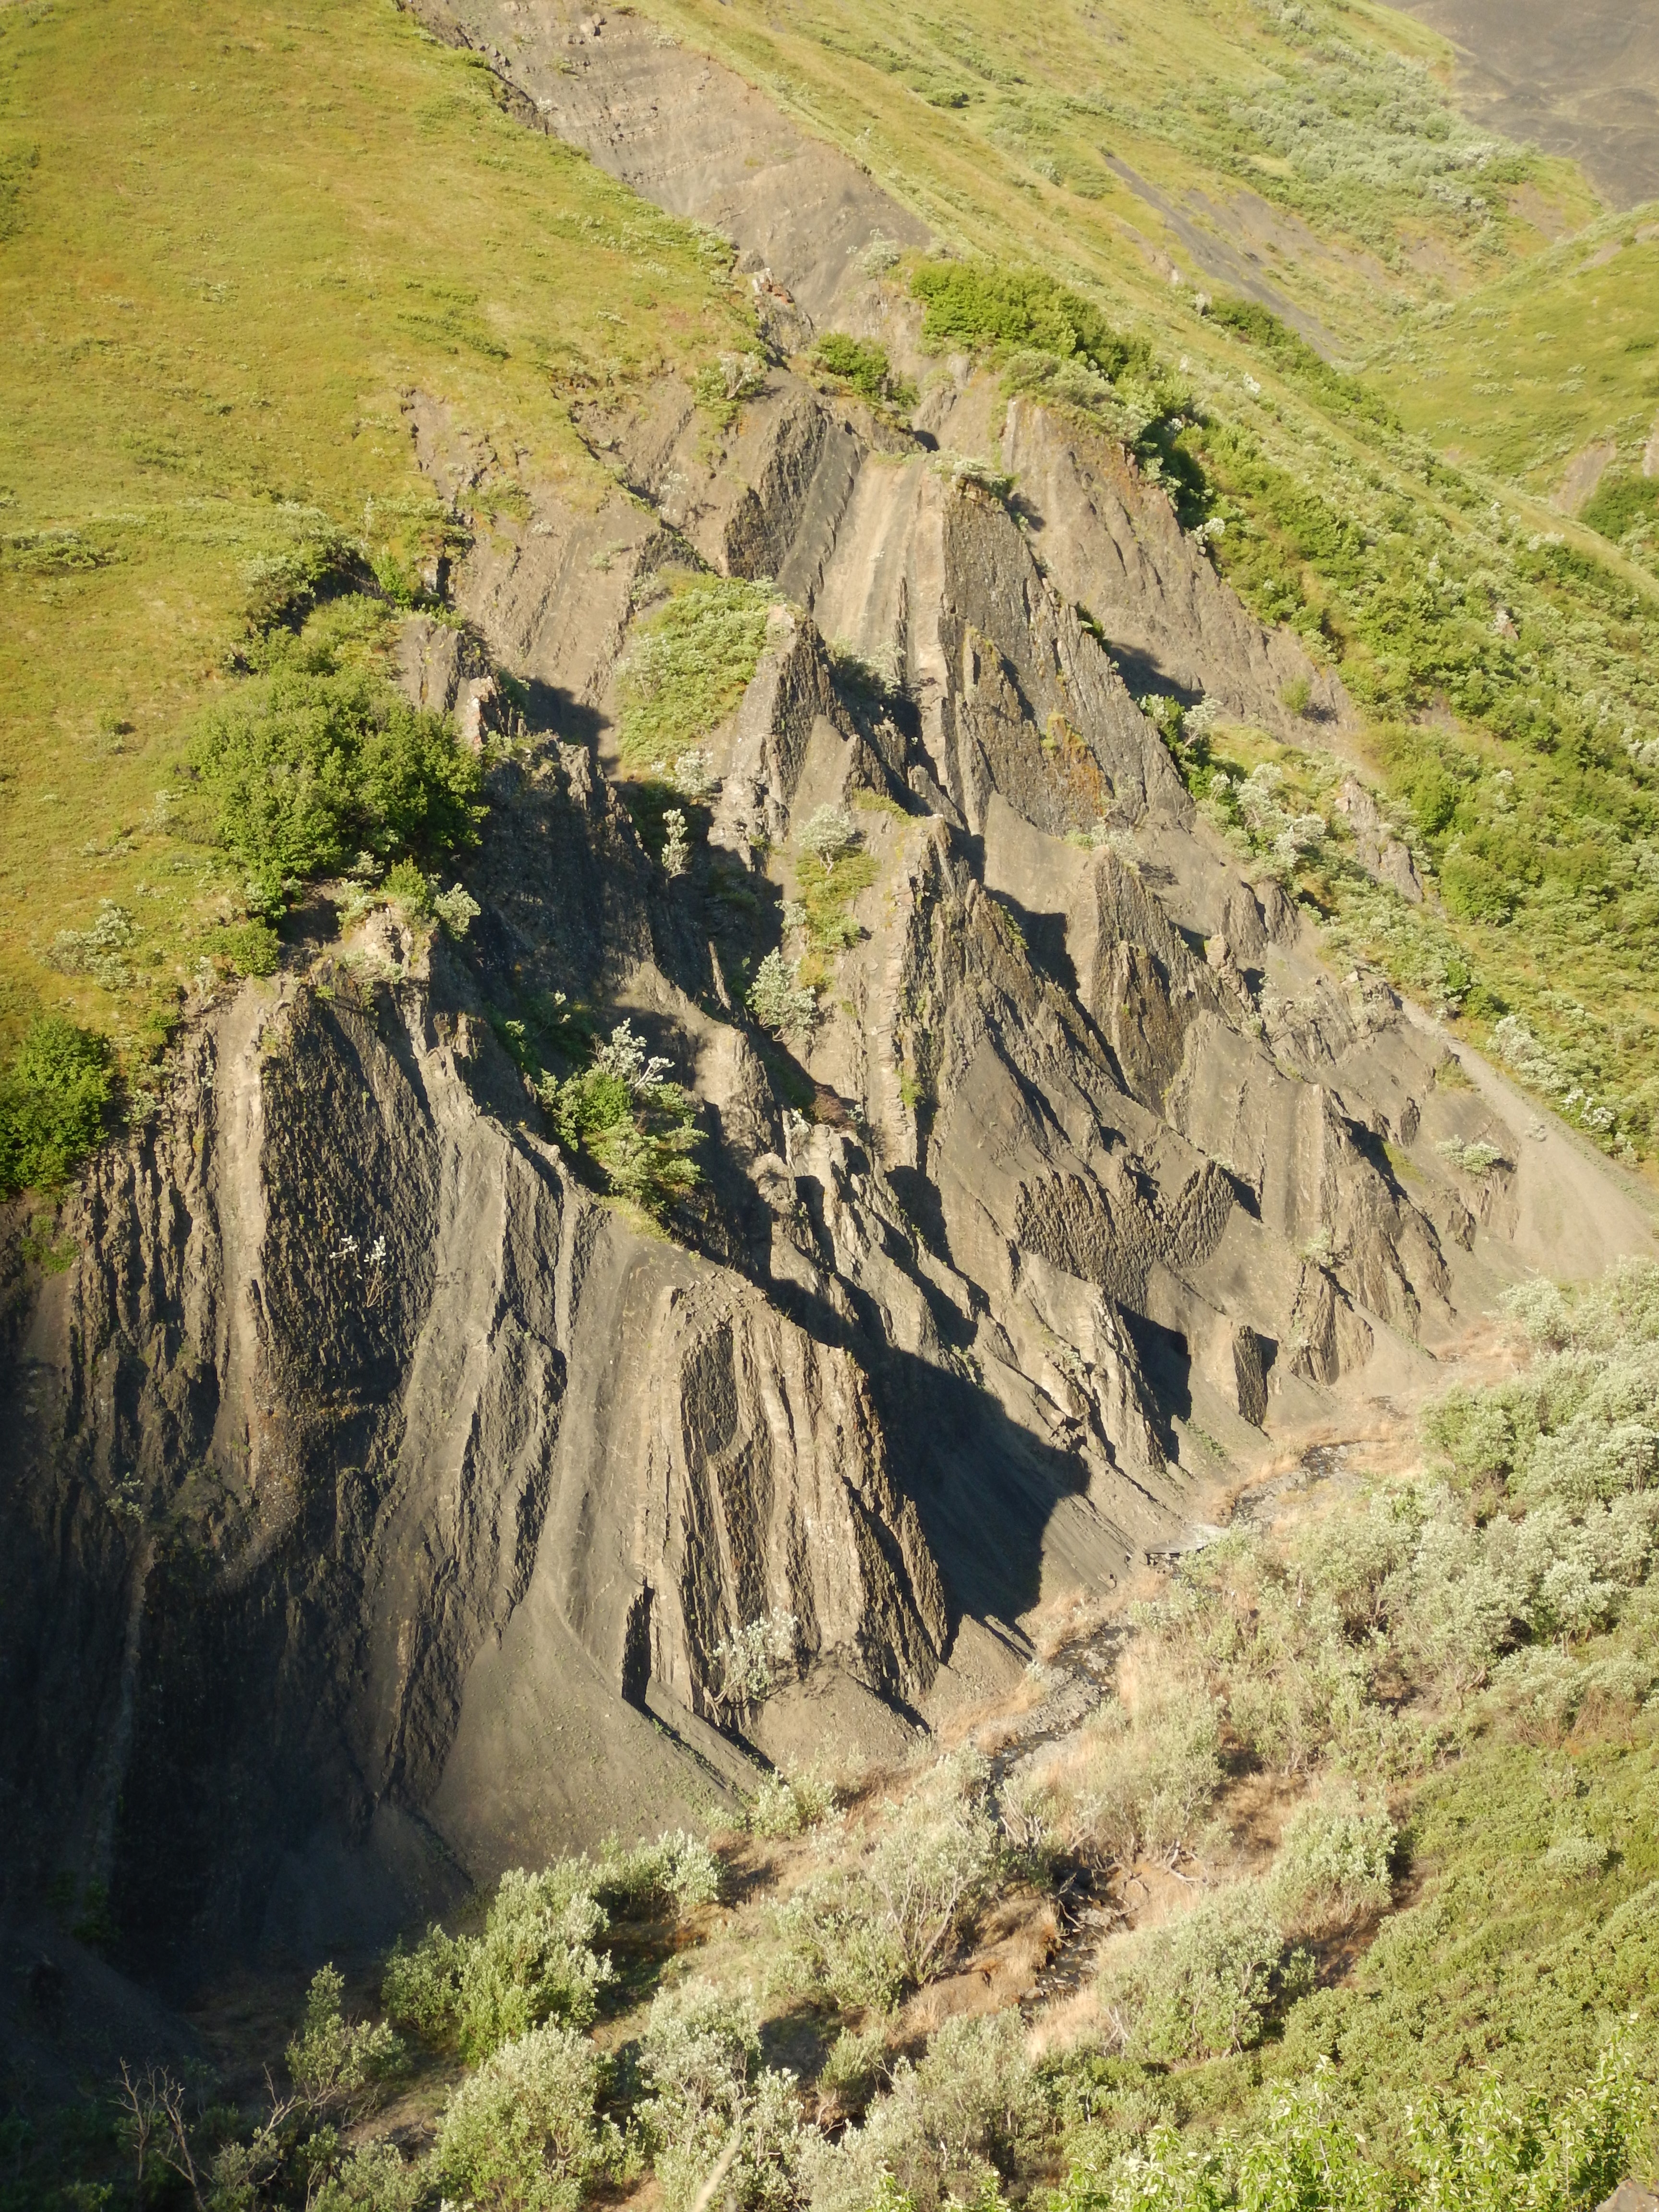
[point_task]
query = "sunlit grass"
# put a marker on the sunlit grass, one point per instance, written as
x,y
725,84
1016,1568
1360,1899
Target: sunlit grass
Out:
x,y
1537,366
237,241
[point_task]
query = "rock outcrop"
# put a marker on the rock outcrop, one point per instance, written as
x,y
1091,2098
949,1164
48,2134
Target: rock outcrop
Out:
x,y
382,1501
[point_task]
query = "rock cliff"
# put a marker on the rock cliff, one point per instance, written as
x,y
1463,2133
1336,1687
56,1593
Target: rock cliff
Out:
x,y
381,1500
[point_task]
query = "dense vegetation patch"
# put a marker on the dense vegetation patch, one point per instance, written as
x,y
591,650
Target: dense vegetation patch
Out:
x,y
688,663
863,365
318,763
1054,344
1626,507
54,1091
1538,805
974,305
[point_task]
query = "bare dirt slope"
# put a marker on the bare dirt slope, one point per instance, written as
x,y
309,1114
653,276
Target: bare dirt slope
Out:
x,y
1582,81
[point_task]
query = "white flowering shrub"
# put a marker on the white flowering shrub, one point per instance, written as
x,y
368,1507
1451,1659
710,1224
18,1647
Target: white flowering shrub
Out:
x,y
623,1112
693,775
778,999
677,845
1476,1158
788,1804
456,909
679,1872
749,1661
1575,1857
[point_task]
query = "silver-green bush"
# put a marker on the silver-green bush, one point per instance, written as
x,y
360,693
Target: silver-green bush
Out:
x,y
1200,1984
700,2057
522,2134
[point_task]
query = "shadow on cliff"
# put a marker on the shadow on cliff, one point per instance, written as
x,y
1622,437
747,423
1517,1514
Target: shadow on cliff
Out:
x,y
985,1488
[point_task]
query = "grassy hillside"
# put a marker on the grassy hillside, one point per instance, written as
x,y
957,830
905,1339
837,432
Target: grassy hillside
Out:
x,y
1314,137
230,244
1533,372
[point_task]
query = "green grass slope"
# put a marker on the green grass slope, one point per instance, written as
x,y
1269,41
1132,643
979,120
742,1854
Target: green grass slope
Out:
x,y
1318,138
231,242
1550,376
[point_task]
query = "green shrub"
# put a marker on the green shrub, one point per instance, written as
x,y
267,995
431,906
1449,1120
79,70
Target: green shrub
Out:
x,y
866,1934
372,2179
409,887
637,1128
54,1092
253,947
1332,1867
953,2128
863,364
688,664
303,770
1201,1983
420,1988
1309,2154
522,2134
1621,504
977,306
1147,1781
700,2057
338,2068
1261,327
535,1961
850,2067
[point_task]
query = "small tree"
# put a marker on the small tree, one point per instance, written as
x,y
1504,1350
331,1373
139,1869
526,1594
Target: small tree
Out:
x,y
750,1658
829,833
339,2069
779,1001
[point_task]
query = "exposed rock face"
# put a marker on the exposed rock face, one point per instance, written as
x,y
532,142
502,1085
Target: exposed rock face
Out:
x,y
1113,544
687,133
380,1498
